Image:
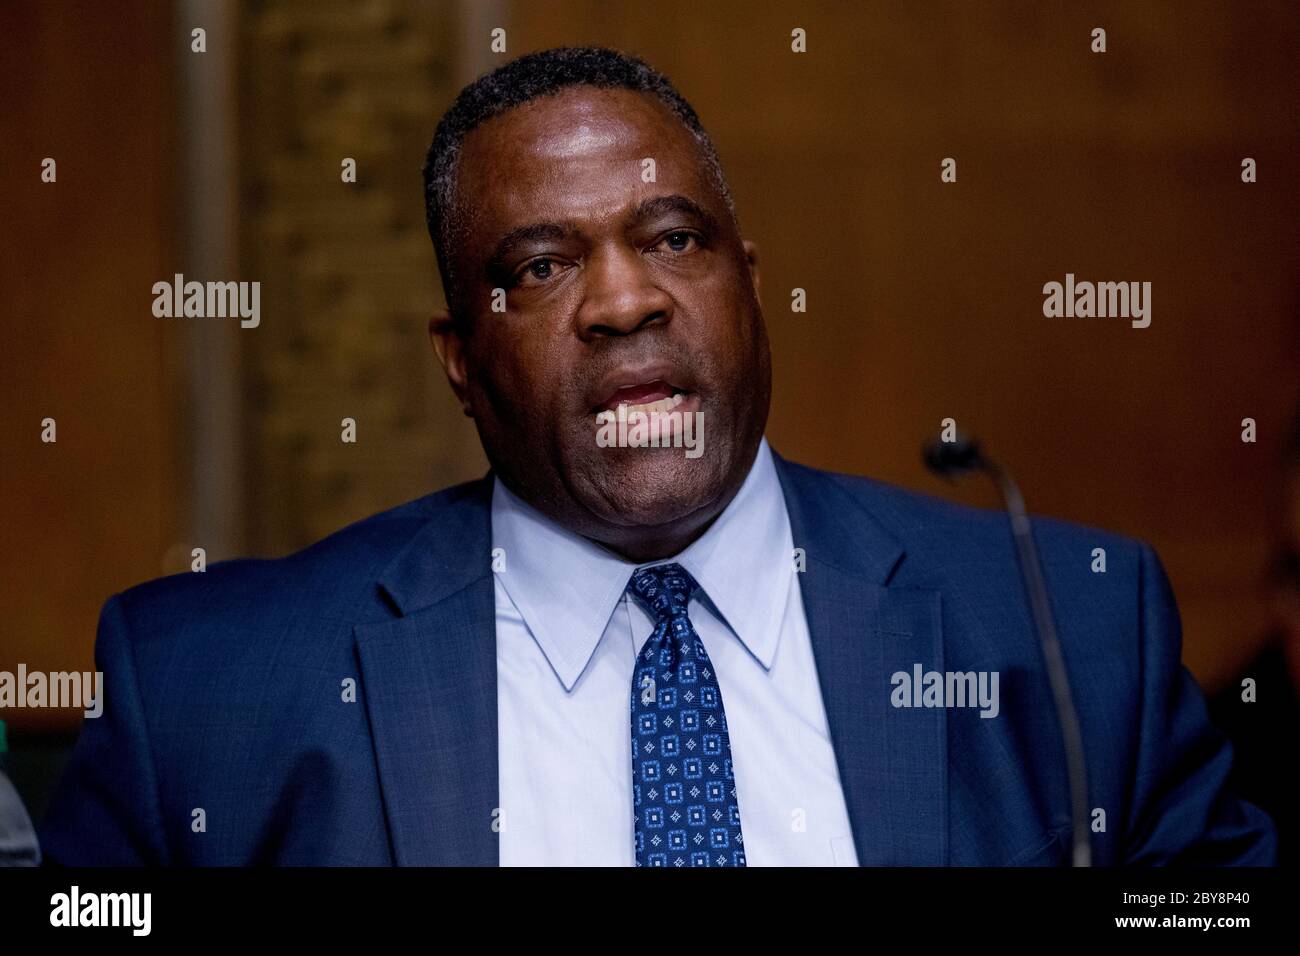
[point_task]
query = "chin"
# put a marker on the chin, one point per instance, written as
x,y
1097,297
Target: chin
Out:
x,y
654,486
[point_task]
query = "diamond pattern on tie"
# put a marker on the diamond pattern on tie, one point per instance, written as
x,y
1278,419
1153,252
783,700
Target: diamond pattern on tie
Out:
x,y
683,788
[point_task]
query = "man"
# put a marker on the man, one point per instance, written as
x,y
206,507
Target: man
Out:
x,y
612,652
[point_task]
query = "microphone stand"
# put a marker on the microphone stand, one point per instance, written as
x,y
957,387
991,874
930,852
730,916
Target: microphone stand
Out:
x,y
967,456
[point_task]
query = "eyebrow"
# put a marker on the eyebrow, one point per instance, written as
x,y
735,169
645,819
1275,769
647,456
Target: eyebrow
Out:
x,y
554,231
534,232
661,205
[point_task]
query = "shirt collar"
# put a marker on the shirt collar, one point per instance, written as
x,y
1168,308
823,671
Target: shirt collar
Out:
x,y
566,587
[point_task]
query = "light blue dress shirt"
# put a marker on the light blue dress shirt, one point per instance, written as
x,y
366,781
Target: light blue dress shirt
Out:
x,y
567,638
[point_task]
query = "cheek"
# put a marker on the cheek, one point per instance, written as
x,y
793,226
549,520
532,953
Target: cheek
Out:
x,y
730,324
519,380
723,292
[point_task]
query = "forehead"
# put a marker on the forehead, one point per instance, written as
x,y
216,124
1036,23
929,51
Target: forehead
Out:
x,y
578,154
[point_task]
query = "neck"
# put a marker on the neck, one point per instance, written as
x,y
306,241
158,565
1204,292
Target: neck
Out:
x,y
641,545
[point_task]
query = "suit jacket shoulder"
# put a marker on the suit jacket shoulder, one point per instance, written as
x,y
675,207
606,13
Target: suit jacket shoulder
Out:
x,y
334,578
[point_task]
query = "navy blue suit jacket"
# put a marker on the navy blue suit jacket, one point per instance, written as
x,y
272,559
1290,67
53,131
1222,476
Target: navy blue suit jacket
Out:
x,y
224,692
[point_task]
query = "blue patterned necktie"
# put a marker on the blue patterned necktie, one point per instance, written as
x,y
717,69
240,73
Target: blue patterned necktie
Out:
x,y
683,788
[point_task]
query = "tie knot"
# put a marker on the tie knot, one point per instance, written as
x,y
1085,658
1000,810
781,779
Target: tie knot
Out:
x,y
664,589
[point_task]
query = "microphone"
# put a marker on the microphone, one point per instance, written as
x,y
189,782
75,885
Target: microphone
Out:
x,y
950,460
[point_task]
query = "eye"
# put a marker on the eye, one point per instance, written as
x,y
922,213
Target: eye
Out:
x,y
679,242
538,271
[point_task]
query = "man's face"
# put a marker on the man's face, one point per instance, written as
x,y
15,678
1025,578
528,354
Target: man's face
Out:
x,y
617,291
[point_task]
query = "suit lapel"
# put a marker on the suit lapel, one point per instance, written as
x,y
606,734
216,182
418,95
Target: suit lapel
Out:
x,y
429,685
892,761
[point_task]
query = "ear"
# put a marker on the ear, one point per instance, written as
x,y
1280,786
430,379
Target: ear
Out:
x,y
751,256
450,349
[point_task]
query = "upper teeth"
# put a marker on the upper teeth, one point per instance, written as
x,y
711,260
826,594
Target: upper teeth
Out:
x,y
662,405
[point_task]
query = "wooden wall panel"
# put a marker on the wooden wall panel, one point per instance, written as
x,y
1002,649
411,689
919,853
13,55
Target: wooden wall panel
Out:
x,y
348,274
97,510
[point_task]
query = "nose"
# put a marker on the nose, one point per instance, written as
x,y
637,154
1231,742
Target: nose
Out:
x,y
621,296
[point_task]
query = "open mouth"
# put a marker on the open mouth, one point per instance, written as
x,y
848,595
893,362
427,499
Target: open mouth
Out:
x,y
647,397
